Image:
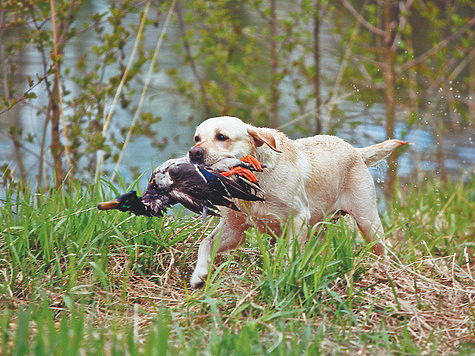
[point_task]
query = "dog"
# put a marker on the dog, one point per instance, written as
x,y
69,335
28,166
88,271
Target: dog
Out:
x,y
304,179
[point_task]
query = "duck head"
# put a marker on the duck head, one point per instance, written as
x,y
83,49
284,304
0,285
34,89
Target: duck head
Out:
x,y
126,202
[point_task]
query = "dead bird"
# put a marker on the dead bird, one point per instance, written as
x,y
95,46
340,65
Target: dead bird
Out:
x,y
198,188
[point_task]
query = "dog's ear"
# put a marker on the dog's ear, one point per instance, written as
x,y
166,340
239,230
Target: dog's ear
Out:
x,y
261,138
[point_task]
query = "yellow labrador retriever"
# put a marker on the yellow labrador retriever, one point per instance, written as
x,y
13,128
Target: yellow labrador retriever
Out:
x,y
306,179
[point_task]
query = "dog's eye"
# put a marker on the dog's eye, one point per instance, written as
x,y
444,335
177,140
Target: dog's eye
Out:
x,y
221,137
197,138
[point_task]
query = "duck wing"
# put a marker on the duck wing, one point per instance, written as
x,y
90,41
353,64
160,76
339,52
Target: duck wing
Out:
x,y
191,188
239,187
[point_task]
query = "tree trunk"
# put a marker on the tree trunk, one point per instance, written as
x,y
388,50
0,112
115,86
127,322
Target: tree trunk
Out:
x,y
274,80
389,96
316,59
56,148
6,66
60,31
471,86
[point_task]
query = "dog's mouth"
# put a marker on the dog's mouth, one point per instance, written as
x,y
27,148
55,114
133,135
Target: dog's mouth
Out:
x,y
217,160
211,161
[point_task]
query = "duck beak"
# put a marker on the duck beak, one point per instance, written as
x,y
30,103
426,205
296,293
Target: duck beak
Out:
x,y
108,205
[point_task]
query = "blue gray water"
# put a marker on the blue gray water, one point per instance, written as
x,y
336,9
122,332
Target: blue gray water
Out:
x,y
459,146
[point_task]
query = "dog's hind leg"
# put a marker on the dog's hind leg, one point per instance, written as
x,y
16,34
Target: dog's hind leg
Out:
x,y
372,229
359,200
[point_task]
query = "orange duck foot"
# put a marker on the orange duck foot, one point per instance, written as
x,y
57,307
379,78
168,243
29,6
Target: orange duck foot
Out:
x,y
253,162
241,171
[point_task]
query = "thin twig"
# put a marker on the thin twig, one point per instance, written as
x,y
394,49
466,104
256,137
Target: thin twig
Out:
x,y
6,89
126,71
438,47
23,97
42,160
100,154
145,87
403,9
341,70
330,102
461,66
362,21
189,56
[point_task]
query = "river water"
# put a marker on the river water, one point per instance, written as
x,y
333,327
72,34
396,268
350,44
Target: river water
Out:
x,y
459,147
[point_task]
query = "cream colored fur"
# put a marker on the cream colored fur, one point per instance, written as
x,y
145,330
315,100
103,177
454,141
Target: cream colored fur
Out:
x,y
306,179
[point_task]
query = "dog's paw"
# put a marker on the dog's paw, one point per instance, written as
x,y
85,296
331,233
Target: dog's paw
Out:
x,y
197,285
197,281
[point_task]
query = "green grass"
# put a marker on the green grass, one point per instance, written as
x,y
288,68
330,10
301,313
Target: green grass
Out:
x,y
75,280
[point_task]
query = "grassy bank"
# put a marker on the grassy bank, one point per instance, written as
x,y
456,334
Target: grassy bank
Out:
x,y
74,280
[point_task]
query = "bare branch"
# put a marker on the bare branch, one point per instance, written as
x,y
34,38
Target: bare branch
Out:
x,y
439,46
32,152
403,8
24,96
146,85
189,56
127,69
362,21
455,73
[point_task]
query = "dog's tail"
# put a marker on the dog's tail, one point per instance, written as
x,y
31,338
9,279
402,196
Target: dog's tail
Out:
x,y
377,152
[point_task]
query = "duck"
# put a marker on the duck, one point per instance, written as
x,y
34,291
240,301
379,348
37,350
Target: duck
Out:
x,y
198,188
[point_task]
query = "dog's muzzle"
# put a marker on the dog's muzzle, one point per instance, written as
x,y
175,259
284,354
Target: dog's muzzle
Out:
x,y
196,155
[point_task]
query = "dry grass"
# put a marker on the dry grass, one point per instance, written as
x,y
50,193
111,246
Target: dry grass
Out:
x,y
431,299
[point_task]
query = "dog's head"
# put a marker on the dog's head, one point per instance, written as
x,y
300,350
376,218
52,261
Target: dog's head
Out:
x,y
227,137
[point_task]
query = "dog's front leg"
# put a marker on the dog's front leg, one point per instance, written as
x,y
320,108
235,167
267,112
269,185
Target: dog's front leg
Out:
x,y
204,257
230,234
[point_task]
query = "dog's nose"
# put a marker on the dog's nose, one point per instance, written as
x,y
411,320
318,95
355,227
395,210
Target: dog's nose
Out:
x,y
196,154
